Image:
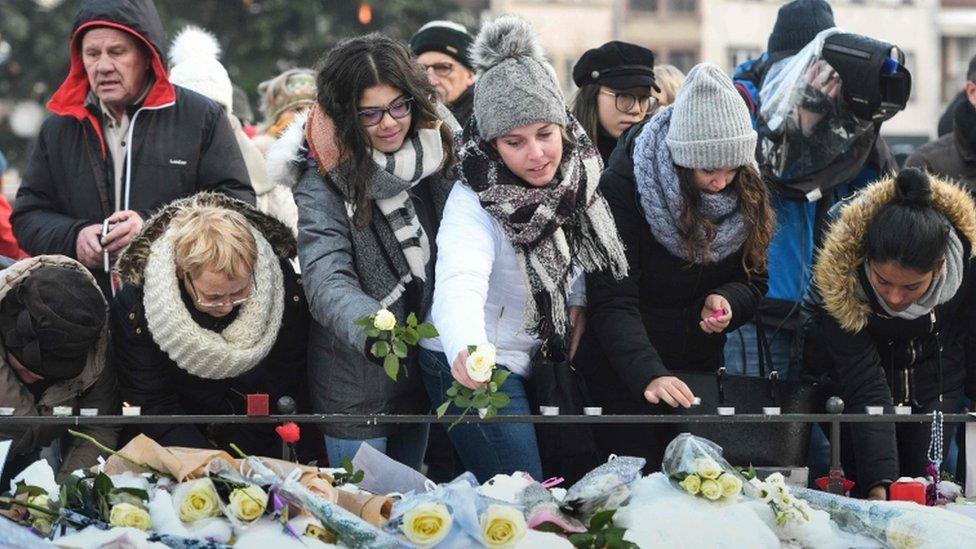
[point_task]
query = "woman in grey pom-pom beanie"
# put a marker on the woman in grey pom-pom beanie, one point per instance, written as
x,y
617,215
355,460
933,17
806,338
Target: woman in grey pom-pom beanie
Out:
x,y
518,229
695,218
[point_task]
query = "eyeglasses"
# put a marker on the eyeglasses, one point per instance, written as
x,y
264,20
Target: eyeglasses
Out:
x,y
440,69
397,110
624,102
221,304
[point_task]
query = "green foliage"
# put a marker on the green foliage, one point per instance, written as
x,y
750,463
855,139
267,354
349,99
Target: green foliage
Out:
x,y
350,475
602,534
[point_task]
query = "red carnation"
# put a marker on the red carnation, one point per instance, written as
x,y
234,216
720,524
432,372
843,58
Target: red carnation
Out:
x,y
288,432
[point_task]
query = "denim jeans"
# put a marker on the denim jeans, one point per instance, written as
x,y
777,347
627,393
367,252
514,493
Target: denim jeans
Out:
x,y
486,449
407,446
742,354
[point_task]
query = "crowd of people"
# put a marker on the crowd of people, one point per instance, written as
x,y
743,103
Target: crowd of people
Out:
x,y
173,256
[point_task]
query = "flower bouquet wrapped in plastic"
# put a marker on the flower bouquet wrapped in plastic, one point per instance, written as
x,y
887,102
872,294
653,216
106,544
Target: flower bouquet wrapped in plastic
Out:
x,y
696,466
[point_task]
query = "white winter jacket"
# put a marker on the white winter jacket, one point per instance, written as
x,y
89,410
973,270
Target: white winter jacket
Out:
x,y
481,290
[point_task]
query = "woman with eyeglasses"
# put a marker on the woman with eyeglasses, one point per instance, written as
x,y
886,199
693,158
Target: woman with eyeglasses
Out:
x,y
615,91
695,218
519,227
210,312
367,166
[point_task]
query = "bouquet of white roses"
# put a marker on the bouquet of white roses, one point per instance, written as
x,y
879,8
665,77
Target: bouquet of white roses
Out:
x,y
392,340
696,466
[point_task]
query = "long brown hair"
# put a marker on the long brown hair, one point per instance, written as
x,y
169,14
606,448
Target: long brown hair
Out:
x,y
585,109
697,232
346,72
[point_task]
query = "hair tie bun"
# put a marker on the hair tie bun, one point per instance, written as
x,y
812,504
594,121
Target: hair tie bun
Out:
x,y
913,187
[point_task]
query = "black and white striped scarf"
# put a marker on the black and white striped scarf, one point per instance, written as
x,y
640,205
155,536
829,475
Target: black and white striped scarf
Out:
x,y
551,227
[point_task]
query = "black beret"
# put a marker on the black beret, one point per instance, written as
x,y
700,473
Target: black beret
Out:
x,y
443,36
51,320
616,65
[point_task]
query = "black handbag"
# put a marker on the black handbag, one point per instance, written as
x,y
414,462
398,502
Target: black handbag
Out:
x,y
567,450
744,444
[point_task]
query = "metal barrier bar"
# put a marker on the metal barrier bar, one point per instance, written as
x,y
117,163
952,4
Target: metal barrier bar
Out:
x,y
473,418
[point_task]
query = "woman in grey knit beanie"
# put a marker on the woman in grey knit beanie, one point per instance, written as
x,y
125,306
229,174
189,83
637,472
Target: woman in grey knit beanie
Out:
x,y
518,229
696,220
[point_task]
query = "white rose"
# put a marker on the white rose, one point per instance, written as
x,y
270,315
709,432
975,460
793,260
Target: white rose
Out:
x,y
126,514
707,468
196,499
731,484
481,363
384,320
502,526
248,503
427,524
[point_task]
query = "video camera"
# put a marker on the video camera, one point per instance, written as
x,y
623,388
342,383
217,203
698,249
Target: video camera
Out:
x,y
876,84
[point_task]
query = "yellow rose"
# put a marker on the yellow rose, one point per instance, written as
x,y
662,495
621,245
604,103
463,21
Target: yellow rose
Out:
x,y
707,468
502,526
126,514
384,320
196,500
481,362
427,524
711,489
248,503
731,484
691,484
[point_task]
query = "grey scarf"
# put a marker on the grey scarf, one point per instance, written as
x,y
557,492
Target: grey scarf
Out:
x,y
942,288
401,239
659,192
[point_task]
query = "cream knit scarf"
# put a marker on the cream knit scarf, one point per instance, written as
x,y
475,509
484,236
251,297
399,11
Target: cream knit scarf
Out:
x,y
197,350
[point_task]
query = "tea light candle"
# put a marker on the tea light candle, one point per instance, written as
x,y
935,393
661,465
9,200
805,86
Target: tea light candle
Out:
x,y
593,411
726,410
62,410
128,410
903,410
7,411
696,401
771,410
874,410
89,412
549,410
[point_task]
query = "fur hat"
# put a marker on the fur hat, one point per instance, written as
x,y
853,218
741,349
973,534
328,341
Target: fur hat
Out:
x,y
516,86
193,59
710,126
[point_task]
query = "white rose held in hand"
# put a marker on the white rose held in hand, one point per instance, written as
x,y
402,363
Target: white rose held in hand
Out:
x,y
248,504
481,363
384,320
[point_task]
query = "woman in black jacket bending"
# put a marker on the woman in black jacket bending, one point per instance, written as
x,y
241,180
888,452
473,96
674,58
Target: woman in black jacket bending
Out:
x,y
695,219
890,315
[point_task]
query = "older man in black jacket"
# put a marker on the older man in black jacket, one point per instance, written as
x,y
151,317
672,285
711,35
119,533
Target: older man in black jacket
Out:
x,y
122,142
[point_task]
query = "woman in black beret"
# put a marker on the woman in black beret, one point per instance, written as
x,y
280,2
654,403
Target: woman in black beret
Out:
x,y
615,82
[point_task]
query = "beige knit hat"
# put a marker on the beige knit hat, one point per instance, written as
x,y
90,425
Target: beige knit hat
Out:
x,y
710,126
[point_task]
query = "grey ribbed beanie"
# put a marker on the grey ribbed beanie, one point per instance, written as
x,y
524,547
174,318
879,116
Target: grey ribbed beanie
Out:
x,y
516,86
710,126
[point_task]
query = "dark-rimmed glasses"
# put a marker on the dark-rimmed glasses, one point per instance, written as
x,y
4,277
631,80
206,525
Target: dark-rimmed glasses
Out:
x,y
440,69
625,102
397,110
221,304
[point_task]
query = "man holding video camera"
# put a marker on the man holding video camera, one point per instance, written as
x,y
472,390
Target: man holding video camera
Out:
x,y
122,142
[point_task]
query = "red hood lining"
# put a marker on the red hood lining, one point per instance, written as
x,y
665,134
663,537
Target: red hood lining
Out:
x,y
70,97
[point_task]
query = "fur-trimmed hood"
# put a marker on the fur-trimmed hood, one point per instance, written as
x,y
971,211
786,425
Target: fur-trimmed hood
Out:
x,y
835,274
132,263
285,158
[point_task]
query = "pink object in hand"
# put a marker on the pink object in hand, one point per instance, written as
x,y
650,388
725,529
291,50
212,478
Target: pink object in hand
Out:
x,y
719,313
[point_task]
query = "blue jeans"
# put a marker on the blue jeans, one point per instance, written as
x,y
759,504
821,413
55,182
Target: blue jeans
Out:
x,y
486,449
407,446
742,344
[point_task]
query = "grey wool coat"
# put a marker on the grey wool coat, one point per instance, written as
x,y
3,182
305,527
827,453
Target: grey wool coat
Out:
x,y
342,379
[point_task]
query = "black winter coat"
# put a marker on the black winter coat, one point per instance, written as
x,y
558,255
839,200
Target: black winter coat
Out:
x,y
181,143
872,359
646,324
150,379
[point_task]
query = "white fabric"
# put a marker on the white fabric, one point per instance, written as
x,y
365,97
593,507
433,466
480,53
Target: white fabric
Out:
x,y
480,293
197,350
